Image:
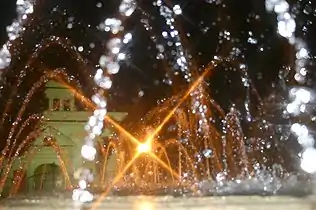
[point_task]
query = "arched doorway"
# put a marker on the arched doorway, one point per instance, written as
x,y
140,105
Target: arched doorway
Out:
x,y
48,177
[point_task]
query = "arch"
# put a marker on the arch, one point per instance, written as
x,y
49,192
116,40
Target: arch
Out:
x,y
48,177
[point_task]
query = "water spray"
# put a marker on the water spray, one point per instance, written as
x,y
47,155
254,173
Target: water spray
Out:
x,y
299,96
110,62
24,8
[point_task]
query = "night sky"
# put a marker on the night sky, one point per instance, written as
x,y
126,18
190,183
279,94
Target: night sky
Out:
x,y
140,82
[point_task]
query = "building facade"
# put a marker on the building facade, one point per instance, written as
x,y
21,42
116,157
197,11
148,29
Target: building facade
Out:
x,y
55,154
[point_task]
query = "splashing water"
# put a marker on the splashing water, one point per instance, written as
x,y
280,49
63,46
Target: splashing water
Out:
x,y
300,96
23,8
169,16
218,157
110,62
286,28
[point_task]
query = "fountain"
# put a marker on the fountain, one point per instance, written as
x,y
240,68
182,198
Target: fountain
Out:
x,y
48,140
24,120
152,176
189,145
223,164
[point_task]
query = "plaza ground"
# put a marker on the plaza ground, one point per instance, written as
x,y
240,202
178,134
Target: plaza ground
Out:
x,y
163,202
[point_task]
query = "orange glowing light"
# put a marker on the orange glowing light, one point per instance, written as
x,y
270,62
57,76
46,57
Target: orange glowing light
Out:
x,y
144,148
170,114
144,205
116,179
141,147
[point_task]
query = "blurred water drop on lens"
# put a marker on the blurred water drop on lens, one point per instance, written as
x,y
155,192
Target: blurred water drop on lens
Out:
x,y
127,7
308,9
5,57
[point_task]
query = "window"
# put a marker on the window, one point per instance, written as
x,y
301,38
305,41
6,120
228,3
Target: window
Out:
x,y
66,104
56,104
44,104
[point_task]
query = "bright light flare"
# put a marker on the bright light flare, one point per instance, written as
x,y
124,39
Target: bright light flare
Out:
x,y
144,148
144,205
186,95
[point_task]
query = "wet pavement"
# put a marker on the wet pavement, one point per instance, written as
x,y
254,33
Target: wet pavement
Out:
x,y
163,202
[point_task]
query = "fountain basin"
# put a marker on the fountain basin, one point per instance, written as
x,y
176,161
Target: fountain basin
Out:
x,y
166,202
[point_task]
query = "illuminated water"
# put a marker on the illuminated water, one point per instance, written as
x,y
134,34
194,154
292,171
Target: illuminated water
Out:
x,y
223,160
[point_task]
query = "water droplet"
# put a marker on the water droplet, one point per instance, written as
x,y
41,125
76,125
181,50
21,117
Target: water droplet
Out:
x,y
177,9
127,7
160,56
308,9
207,153
5,57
